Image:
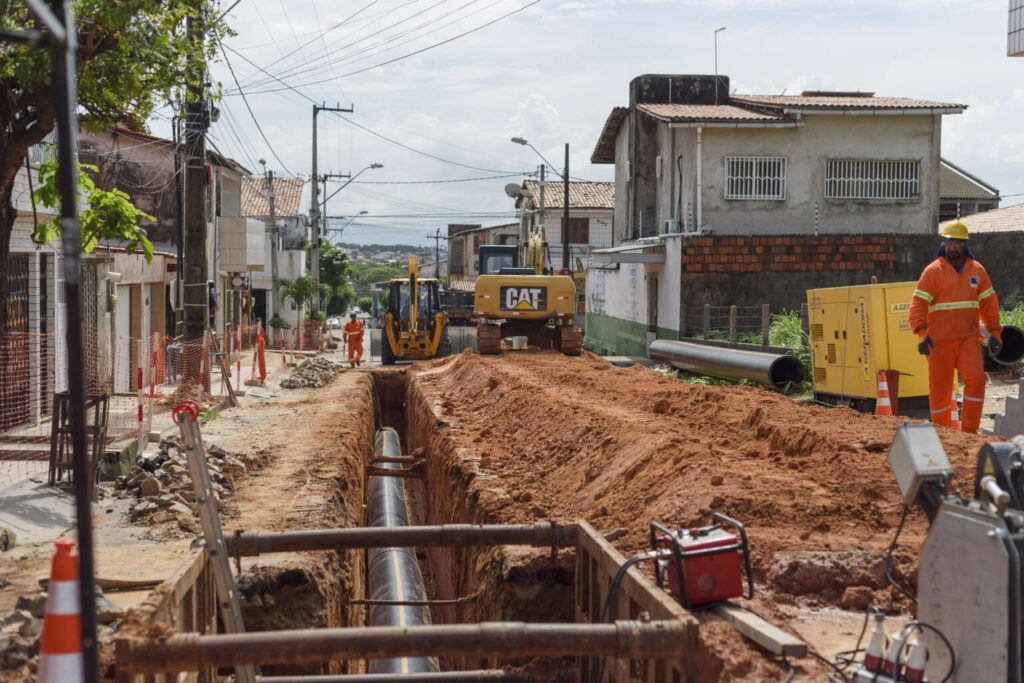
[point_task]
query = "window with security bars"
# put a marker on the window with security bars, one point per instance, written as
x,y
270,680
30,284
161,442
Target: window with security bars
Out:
x,y
755,178
867,179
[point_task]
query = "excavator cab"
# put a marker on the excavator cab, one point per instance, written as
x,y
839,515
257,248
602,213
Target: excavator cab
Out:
x,y
414,326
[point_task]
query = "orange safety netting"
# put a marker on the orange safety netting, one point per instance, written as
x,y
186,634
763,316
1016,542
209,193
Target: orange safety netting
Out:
x,y
140,380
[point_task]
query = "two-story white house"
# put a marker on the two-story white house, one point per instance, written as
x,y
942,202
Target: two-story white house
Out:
x,y
691,159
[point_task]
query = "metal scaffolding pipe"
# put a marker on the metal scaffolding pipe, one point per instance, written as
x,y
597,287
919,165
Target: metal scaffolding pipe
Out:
x,y
393,572
194,652
484,676
539,534
770,369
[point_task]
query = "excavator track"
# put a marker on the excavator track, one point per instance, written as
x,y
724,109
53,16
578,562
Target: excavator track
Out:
x,y
488,338
570,341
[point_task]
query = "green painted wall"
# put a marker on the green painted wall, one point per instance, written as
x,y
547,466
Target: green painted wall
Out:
x,y
610,336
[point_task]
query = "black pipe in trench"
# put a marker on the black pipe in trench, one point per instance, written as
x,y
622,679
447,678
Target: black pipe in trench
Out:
x,y
393,572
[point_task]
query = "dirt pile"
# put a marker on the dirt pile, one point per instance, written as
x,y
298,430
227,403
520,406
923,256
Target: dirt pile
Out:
x,y
313,373
162,487
566,438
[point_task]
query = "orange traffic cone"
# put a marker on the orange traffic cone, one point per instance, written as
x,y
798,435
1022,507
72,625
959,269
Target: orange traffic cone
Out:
x,y
954,415
60,651
883,406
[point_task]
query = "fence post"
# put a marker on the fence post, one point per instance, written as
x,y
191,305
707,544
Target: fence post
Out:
x,y
766,321
707,321
140,391
732,324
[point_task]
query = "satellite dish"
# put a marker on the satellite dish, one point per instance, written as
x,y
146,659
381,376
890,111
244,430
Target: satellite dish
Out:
x,y
513,190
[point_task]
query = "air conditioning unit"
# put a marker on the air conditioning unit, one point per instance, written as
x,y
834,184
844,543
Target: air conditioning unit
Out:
x,y
670,226
174,294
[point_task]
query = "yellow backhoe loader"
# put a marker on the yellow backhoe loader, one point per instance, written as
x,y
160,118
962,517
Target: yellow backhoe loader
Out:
x,y
414,326
510,300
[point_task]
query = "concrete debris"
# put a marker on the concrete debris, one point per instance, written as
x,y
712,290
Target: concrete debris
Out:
x,y
1010,423
22,629
313,373
161,484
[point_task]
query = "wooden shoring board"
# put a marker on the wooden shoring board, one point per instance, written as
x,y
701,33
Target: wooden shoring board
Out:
x,y
762,632
597,561
187,602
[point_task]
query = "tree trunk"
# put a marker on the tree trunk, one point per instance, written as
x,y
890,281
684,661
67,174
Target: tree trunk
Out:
x,y
7,215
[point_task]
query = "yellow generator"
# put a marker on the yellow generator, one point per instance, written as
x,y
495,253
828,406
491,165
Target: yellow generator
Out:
x,y
857,331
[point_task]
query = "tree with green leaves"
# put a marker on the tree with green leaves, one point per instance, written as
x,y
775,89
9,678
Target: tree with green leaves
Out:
x,y
334,272
132,56
365,304
302,291
109,215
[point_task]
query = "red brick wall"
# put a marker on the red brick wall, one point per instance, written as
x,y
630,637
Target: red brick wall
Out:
x,y
789,253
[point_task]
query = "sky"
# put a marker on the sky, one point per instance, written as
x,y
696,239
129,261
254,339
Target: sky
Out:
x,y
551,71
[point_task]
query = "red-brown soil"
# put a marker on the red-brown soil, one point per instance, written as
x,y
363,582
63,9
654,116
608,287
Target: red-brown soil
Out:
x,y
578,437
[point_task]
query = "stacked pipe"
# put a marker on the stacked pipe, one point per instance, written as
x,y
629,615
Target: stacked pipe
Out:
x,y
394,574
771,369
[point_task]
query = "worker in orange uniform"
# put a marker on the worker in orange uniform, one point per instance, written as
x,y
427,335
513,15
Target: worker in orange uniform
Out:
x,y
953,292
354,339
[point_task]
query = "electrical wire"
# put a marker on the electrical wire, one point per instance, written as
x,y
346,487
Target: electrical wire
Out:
x,y
369,130
915,625
888,557
847,657
830,663
246,100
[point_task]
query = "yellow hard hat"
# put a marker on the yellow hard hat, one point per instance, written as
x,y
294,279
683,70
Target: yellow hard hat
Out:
x,y
955,230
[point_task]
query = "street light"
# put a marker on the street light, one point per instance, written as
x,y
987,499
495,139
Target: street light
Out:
x,y
565,187
717,31
347,223
345,184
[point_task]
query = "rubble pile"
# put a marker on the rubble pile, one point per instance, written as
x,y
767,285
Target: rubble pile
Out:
x,y
161,484
21,630
313,373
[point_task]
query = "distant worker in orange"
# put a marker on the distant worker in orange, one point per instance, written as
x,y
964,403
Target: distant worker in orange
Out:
x,y
953,292
354,339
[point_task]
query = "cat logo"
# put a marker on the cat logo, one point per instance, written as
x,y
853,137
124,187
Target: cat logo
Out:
x,y
524,298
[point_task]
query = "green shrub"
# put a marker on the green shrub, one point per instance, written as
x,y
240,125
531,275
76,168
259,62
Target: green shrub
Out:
x,y
1014,316
277,322
318,316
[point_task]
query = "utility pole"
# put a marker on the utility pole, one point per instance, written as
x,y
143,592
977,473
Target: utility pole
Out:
x,y
565,214
542,184
314,207
275,236
437,253
197,300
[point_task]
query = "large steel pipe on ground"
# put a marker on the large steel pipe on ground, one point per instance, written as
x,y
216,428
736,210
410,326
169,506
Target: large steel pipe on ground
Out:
x,y
540,534
1013,346
771,369
193,652
393,572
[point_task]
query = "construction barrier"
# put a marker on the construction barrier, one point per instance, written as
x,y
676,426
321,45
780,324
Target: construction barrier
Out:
x,y
134,379
60,648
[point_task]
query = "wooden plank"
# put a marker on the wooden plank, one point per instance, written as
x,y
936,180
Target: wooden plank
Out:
x,y
765,634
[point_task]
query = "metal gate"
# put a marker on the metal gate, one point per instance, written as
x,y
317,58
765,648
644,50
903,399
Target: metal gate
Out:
x,y
14,346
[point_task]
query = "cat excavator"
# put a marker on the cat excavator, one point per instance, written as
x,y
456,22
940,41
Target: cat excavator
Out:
x,y
415,328
512,300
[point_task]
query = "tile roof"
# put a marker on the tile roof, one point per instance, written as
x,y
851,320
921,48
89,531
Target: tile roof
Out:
x,y
828,102
604,152
706,112
1007,219
287,195
582,195
956,183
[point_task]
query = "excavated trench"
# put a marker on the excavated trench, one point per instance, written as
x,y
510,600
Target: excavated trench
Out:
x,y
489,583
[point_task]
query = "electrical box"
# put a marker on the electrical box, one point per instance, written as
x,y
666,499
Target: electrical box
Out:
x,y
917,456
857,331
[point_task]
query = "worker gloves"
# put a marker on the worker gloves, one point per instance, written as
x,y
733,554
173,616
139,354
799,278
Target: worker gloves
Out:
x,y
926,346
994,346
